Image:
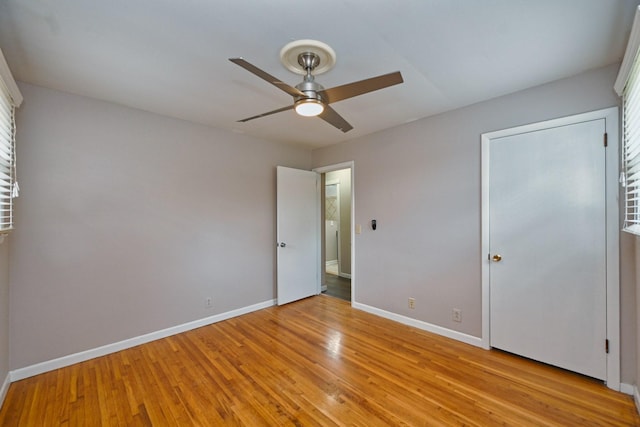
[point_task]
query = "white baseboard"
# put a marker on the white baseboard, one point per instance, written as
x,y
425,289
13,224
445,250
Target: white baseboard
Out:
x,y
345,275
458,336
71,359
5,388
323,288
627,389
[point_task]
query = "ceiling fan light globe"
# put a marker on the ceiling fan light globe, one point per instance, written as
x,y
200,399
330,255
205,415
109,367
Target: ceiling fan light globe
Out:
x,y
309,107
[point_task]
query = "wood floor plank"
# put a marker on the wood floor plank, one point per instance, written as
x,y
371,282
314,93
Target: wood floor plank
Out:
x,y
315,362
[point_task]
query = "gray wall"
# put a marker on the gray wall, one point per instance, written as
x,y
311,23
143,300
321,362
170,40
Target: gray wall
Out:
x,y
4,310
421,181
637,313
127,221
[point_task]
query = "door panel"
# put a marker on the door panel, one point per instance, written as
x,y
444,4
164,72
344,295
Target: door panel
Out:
x,y
547,222
298,234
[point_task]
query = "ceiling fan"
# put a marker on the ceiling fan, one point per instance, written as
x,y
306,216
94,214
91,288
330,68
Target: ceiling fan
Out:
x,y
310,58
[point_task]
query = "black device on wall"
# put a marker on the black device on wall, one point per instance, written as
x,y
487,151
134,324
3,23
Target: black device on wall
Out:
x,y
373,224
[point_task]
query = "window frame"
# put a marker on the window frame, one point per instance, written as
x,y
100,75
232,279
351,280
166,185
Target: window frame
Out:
x,y
627,86
10,99
8,183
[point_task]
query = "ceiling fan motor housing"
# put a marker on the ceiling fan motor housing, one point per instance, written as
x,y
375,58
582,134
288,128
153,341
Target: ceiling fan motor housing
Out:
x,y
313,102
310,89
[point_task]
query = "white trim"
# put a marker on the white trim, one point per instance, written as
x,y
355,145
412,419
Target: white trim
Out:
x,y
612,159
351,166
485,184
82,356
439,330
345,275
5,388
319,237
629,389
629,55
636,398
336,167
613,230
7,78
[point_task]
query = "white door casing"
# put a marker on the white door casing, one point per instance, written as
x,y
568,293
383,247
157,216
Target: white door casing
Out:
x,y
550,212
298,234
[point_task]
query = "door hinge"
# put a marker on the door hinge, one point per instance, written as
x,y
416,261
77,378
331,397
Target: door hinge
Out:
x,y
606,143
606,346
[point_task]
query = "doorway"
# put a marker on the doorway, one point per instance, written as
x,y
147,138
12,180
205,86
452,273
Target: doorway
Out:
x,y
337,223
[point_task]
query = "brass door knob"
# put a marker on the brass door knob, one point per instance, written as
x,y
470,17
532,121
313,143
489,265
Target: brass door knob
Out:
x,y
497,258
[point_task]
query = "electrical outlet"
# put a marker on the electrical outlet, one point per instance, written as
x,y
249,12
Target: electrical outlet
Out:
x,y
456,315
412,303
209,302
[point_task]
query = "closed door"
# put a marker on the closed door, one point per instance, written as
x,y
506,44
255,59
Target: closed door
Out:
x,y
547,240
298,234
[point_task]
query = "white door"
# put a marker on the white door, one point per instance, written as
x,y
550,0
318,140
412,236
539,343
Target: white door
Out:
x,y
547,239
298,234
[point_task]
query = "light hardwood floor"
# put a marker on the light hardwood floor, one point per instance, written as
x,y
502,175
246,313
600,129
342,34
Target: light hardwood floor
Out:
x,y
312,362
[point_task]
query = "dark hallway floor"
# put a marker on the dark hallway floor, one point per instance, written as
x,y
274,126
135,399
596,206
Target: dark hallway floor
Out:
x,y
338,287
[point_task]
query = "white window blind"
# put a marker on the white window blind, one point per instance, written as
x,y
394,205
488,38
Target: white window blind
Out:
x,y
631,149
8,184
628,86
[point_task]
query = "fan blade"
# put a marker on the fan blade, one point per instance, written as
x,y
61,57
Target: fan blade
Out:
x,y
290,107
361,87
330,116
266,76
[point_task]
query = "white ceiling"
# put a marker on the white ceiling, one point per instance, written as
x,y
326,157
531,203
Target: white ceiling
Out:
x,y
170,56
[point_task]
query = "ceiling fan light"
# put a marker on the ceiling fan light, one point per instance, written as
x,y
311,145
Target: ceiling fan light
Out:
x,y
309,107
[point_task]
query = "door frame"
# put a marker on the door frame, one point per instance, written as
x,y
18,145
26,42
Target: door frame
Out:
x,y
612,227
335,167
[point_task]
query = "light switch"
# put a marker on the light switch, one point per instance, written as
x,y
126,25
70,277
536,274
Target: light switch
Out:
x,y
358,228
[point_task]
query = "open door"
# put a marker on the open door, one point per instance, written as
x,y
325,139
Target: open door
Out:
x,y
298,228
